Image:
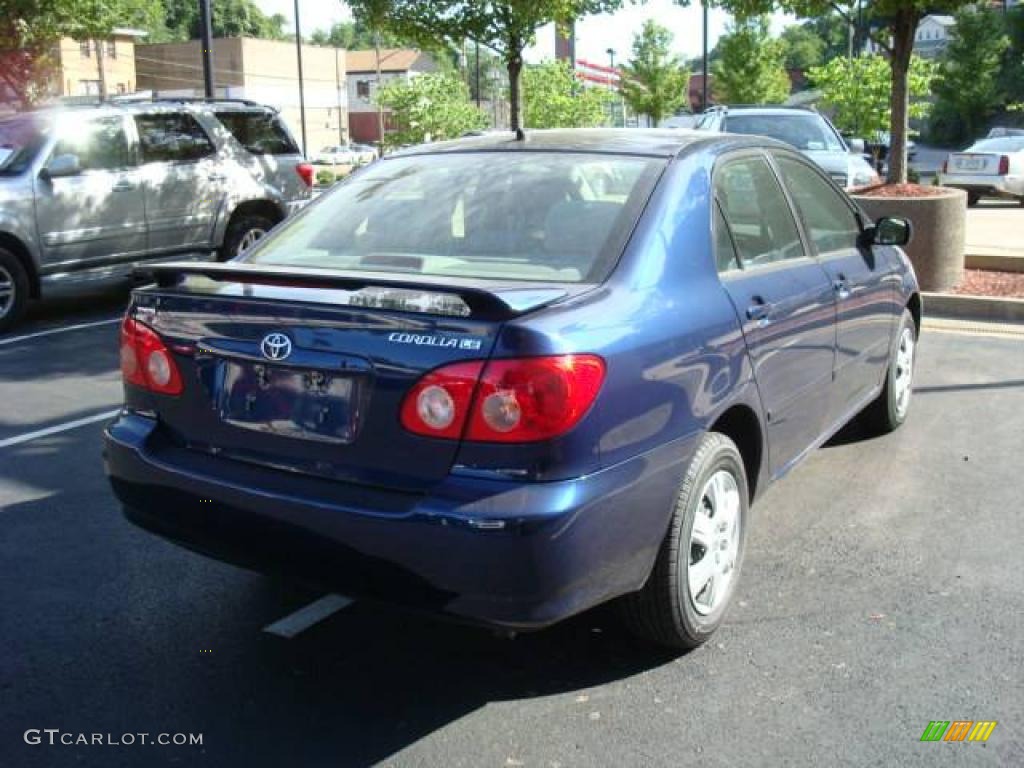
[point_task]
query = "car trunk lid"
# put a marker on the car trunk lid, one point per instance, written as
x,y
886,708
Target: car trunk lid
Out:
x,y
975,163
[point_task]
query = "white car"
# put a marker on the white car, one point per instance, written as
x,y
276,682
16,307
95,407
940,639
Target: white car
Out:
x,y
347,154
990,167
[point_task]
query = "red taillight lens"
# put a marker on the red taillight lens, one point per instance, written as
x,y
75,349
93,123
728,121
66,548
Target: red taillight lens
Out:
x,y
520,400
439,403
537,398
145,360
1004,165
305,171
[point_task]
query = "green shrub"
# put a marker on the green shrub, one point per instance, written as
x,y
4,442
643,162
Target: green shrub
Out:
x,y
325,178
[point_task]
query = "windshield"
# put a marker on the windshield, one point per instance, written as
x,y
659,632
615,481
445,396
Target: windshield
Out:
x,y
1008,144
808,133
20,140
500,215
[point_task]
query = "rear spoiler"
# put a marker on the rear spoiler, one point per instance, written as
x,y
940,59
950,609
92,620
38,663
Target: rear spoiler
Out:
x,y
502,302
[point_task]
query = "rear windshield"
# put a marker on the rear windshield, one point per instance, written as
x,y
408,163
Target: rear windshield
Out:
x,y
1007,144
807,133
20,141
262,133
502,215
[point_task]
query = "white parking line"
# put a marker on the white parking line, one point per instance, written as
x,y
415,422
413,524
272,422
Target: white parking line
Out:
x,y
58,428
306,617
51,331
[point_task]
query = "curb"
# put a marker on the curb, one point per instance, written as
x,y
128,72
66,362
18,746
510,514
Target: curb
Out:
x,y
997,261
973,307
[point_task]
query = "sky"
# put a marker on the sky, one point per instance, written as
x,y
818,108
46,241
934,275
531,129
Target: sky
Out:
x,y
594,34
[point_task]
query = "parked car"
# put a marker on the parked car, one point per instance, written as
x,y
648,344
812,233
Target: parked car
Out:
x,y
1000,131
802,128
536,394
86,193
988,168
347,154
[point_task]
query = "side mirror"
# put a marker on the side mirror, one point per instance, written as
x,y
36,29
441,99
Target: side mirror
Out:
x,y
857,146
63,165
889,230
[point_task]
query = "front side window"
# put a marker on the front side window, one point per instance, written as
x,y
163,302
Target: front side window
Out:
x,y
261,133
172,138
100,144
828,220
759,217
501,215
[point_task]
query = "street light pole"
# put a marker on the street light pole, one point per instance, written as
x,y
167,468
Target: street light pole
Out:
x,y
206,34
611,75
302,98
704,60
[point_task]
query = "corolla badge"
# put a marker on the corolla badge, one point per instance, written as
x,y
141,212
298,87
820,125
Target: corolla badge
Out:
x,y
276,346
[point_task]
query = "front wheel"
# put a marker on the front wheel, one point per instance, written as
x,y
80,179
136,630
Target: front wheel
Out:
x,y
890,410
694,577
14,289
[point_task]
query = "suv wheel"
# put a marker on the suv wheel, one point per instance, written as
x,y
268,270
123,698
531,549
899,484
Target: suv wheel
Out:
x,y
13,290
243,233
694,578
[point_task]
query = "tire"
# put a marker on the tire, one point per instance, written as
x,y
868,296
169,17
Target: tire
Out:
x,y
973,198
890,410
14,288
243,232
666,611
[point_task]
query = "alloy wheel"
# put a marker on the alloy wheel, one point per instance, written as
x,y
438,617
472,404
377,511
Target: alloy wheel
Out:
x,y
7,289
250,238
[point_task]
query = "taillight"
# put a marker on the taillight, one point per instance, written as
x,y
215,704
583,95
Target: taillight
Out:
x,y
519,400
305,171
145,360
1004,165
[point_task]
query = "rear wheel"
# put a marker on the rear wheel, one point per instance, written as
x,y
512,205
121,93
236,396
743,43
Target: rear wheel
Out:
x,y
890,410
243,233
14,288
695,575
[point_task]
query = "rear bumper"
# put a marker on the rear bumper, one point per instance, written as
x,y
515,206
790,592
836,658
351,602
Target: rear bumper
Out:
x,y
502,553
1001,186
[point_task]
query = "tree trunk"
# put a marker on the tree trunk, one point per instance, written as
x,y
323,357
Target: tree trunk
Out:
x,y
515,68
101,68
903,29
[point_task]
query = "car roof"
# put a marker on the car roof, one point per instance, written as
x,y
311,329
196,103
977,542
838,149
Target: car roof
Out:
x,y
652,142
775,111
153,105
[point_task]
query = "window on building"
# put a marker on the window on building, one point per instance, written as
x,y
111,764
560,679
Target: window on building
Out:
x,y
89,87
85,48
172,138
111,49
363,89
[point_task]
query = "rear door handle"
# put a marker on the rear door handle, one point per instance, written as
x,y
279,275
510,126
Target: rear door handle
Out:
x,y
841,287
217,177
759,312
123,186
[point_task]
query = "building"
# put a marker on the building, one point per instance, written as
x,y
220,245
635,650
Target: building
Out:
x,y
395,63
933,35
265,71
79,65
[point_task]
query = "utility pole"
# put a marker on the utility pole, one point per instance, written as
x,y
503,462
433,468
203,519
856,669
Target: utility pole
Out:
x,y
302,98
206,33
611,81
380,109
337,92
477,54
704,60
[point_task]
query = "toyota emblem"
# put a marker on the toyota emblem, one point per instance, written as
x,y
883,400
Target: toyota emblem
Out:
x,y
276,346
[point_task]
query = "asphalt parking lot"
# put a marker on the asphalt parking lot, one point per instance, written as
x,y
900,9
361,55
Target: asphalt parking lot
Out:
x,y
883,589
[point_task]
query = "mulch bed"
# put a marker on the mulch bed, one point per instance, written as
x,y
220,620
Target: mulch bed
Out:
x,y
988,282
901,190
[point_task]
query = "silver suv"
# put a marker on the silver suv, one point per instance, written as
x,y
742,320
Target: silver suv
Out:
x,y
86,193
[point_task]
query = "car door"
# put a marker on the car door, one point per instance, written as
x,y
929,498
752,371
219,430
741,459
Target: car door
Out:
x,y
864,293
93,215
784,301
184,182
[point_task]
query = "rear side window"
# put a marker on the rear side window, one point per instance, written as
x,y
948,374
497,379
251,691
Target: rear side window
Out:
x,y
261,133
172,138
502,215
828,220
101,145
759,217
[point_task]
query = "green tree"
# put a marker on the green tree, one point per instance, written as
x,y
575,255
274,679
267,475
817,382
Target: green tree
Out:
x,y
804,47
968,89
430,107
554,98
751,68
859,90
893,26
654,81
507,27
230,18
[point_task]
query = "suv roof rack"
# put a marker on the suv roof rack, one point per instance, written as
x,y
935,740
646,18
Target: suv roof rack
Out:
x,y
129,99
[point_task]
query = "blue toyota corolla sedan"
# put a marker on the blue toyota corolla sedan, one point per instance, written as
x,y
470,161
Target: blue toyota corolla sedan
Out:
x,y
507,380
